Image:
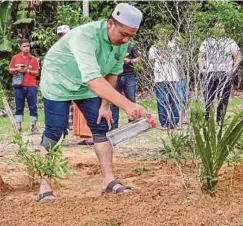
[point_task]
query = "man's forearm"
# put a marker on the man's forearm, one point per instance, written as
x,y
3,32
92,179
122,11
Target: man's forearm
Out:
x,y
34,73
12,70
102,88
237,59
200,62
112,79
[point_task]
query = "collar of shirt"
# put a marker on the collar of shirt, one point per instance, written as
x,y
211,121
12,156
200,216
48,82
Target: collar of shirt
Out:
x,y
24,56
105,35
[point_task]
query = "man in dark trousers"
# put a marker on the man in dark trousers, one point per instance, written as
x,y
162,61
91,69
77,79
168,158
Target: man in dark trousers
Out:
x,y
83,67
126,82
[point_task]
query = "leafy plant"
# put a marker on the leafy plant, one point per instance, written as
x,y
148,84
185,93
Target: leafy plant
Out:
x,y
178,144
71,15
239,144
141,170
112,222
214,145
4,80
53,165
43,38
5,16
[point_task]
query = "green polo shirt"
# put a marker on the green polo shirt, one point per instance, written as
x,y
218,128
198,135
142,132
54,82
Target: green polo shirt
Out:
x,y
83,54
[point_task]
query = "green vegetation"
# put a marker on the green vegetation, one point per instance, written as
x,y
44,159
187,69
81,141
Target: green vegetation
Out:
x,y
141,170
214,144
52,165
112,222
178,146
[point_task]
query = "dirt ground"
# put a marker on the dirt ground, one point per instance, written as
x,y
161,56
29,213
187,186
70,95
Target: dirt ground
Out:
x,y
159,194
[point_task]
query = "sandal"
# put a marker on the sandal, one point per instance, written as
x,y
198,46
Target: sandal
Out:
x,y
120,189
86,142
41,196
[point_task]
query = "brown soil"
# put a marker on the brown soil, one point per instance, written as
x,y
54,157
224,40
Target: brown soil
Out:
x,y
4,187
161,196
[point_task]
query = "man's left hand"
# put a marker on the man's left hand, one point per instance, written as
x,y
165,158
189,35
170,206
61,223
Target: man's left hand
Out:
x,y
104,112
24,69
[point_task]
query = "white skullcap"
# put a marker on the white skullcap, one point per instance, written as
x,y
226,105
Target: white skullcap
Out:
x,y
127,15
63,29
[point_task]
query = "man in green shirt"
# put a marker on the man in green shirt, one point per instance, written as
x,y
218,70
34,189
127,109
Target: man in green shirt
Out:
x,y
83,67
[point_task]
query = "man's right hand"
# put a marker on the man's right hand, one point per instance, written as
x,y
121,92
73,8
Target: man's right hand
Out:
x,y
135,111
18,69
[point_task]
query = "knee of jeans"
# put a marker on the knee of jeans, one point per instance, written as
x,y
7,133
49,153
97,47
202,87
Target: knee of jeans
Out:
x,y
99,138
54,134
47,143
99,131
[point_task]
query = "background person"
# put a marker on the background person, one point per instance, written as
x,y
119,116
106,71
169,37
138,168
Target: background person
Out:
x,y
62,30
27,64
218,59
126,81
167,74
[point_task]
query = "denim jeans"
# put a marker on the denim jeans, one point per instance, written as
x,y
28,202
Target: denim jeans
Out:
x,y
167,103
182,94
219,83
57,115
30,94
127,85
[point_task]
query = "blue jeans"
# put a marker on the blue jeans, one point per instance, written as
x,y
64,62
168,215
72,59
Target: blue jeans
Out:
x,y
167,103
30,94
219,84
57,114
127,84
182,94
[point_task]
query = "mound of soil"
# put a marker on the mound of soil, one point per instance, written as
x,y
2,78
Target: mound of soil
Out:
x,y
4,187
163,194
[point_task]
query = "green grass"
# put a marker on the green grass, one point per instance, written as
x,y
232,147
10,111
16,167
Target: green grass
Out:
x,y
6,129
235,103
140,170
149,104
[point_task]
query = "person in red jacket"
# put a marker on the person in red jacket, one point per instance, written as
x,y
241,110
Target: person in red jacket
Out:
x,y
27,64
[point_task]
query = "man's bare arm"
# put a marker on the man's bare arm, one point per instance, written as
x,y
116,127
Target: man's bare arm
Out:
x,y
201,62
112,80
237,59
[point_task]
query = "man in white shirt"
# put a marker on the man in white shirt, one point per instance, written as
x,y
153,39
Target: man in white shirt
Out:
x,y
62,30
167,73
218,60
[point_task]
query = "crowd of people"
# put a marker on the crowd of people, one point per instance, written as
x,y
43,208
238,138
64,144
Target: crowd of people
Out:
x,y
87,71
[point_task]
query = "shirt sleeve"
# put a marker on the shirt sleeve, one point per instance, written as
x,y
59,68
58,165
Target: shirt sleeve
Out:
x,y
118,67
234,47
12,63
83,49
35,64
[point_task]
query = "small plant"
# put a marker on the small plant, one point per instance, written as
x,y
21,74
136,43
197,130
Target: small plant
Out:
x,y
52,165
112,222
140,170
239,144
212,144
178,144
